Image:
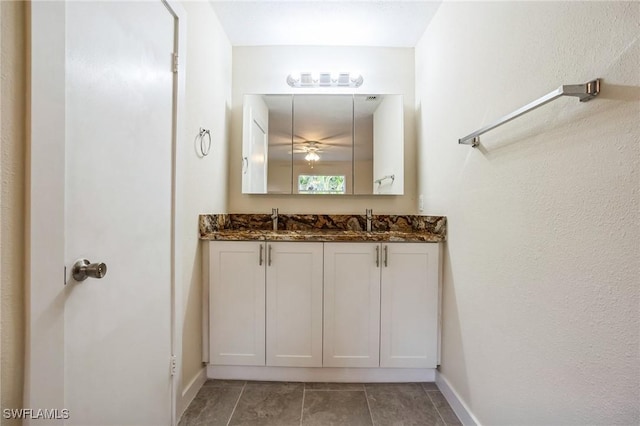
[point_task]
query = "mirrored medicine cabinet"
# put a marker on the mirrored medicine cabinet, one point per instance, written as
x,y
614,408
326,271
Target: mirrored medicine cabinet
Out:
x,y
323,144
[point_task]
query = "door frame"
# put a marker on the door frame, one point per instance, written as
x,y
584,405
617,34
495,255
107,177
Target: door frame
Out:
x,y
257,120
45,220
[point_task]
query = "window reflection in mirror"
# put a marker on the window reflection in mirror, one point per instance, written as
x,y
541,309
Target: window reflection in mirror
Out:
x,y
316,184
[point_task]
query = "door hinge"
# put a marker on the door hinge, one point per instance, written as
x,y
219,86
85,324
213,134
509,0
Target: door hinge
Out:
x,y
173,365
175,62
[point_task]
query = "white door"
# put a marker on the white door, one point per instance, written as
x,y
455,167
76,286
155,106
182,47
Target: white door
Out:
x,y
236,303
255,145
118,210
351,305
409,305
294,304
258,158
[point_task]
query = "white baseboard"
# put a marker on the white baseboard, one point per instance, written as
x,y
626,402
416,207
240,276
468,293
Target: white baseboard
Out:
x,y
457,404
298,374
190,391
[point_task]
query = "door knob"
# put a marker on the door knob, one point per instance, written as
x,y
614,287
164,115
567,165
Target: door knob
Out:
x,y
84,269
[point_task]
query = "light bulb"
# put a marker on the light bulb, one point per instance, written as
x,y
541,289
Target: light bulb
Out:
x,y
312,156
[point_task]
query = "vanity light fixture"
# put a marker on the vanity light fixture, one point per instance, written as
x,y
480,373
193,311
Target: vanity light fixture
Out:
x,y
324,79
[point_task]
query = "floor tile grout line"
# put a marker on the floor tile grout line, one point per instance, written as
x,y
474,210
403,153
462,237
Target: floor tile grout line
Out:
x,y
304,391
366,397
434,404
236,405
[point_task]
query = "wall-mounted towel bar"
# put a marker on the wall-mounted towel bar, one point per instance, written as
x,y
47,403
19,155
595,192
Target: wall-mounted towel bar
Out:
x,y
379,181
584,92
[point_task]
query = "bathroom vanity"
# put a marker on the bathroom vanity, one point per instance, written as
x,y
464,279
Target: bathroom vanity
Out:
x,y
320,298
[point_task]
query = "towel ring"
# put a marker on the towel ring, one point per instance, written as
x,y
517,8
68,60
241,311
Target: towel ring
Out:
x,y
205,145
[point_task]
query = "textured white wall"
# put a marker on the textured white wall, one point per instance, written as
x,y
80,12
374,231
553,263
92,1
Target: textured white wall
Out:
x,y
264,70
541,269
12,104
208,99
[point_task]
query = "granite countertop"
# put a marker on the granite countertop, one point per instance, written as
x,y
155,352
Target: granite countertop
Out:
x,y
248,227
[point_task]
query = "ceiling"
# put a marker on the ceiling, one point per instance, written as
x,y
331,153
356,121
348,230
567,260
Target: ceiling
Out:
x,y
323,120
325,23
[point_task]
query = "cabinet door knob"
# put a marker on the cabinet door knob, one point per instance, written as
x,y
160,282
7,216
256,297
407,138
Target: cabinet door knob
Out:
x,y
269,256
261,250
377,256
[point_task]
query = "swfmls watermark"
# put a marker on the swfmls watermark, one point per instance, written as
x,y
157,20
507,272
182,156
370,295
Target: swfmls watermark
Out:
x,y
36,413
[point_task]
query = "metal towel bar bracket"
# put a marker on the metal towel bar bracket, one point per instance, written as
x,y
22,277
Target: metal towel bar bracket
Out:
x,y
379,181
585,92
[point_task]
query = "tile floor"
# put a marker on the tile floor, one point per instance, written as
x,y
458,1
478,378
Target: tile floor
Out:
x,y
229,402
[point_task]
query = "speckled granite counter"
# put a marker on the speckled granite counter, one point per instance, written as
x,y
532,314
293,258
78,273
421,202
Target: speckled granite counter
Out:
x,y
240,227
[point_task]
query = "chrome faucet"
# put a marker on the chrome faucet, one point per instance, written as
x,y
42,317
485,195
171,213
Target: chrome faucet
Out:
x,y
369,219
274,218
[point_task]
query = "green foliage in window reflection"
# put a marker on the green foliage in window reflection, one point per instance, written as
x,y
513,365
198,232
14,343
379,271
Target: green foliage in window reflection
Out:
x,y
313,184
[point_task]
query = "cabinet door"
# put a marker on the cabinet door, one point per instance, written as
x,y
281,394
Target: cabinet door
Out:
x,y
294,304
237,303
351,305
409,305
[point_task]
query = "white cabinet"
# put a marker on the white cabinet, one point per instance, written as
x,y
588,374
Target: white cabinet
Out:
x,y
265,303
236,303
409,305
381,305
314,304
351,305
294,304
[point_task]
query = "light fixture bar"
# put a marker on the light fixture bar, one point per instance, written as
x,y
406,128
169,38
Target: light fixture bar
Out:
x,y
324,79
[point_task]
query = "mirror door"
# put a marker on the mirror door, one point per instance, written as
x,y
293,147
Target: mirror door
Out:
x,y
280,154
379,144
323,144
